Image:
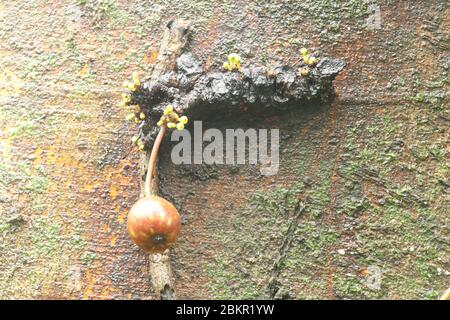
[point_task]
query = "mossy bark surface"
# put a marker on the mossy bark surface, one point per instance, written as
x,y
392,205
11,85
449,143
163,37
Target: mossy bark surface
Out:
x,y
371,168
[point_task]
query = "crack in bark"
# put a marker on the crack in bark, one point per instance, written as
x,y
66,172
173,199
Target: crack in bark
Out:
x,y
273,285
371,175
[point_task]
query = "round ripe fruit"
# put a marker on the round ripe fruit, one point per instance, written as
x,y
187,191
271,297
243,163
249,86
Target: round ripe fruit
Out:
x,y
153,224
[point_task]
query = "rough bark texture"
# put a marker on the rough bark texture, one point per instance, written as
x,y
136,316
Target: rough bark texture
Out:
x,y
374,163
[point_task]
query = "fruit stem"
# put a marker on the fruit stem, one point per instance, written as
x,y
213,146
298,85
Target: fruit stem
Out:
x,y
151,169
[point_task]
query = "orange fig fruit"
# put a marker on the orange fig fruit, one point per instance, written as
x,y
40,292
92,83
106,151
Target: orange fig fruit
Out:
x,y
153,224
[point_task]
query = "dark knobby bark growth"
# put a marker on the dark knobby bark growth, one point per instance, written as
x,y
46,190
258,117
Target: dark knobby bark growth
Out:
x,y
212,95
